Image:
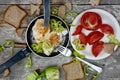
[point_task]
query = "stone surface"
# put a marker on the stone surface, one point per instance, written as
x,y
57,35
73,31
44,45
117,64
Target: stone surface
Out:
x,y
111,65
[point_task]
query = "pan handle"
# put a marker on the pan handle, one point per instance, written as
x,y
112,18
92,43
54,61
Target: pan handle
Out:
x,y
17,57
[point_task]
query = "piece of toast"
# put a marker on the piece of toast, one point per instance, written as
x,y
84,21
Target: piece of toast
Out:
x,y
20,32
14,15
68,5
34,8
74,71
39,1
94,2
109,47
61,11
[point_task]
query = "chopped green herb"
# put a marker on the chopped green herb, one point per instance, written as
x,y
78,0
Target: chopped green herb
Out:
x,y
95,76
54,10
86,68
70,16
28,62
75,60
56,26
37,47
113,39
78,45
78,55
31,76
41,76
52,73
71,25
7,42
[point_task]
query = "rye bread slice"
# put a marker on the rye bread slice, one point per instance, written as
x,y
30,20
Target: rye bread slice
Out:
x,y
109,47
14,15
74,71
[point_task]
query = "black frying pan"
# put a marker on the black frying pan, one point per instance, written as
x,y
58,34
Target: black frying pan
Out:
x,y
29,40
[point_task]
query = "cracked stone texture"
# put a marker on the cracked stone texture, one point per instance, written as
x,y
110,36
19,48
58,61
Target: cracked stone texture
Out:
x,y
111,65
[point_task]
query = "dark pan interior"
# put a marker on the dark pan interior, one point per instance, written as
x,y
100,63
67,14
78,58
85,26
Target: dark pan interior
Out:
x,y
30,38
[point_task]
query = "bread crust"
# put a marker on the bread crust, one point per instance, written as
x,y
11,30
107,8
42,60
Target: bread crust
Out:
x,y
21,32
21,18
67,72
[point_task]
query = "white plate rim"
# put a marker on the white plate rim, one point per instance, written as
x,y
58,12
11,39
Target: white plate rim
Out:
x,y
99,11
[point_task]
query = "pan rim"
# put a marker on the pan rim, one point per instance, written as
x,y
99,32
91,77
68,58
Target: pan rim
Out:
x,y
27,30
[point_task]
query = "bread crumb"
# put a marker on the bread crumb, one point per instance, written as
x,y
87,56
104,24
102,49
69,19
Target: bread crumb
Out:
x,y
14,15
94,2
39,1
109,47
61,11
20,32
68,5
6,72
34,8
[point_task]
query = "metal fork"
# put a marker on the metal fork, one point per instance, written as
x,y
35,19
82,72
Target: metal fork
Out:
x,y
67,52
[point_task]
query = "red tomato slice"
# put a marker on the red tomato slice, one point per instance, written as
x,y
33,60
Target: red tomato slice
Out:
x,y
78,30
94,37
91,21
83,38
105,28
97,48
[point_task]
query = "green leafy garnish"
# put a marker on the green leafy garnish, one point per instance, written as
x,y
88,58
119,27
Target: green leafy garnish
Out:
x,y
70,16
78,55
41,76
7,42
86,68
52,73
113,39
78,45
56,26
54,10
37,47
95,76
31,76
28,62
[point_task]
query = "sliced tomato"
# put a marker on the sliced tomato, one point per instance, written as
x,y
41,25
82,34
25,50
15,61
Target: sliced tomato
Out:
x,y
78,30
94,37
83,38
97,48
106,28
91,21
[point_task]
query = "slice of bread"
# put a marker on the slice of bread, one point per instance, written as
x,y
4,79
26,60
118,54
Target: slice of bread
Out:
x,y
61,11
94,2
7,72
20,32
14,15
39,1
109,47
68,5
74,71
34,8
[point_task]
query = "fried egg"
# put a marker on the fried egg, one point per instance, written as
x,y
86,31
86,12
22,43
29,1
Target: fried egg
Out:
x,y
47,47
39,31
55,38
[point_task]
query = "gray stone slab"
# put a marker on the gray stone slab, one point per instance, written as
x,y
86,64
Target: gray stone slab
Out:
x,y
111,65
58,1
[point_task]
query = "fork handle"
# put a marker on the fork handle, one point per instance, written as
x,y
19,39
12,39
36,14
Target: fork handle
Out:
x,y
98,69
